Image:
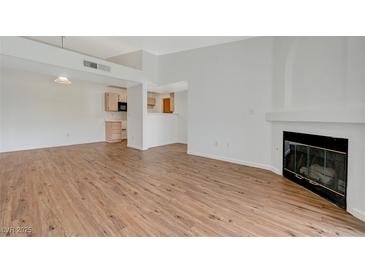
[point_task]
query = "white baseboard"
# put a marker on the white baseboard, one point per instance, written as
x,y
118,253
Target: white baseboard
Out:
x,y
235,161
357,213
276,171
164,144
51,146
136,147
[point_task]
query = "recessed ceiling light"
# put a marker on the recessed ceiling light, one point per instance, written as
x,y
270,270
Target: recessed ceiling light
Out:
x,y
62,80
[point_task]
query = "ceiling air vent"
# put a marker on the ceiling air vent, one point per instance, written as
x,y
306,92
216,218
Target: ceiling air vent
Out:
x,y
93,65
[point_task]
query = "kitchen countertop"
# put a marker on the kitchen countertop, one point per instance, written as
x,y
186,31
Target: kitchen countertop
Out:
x,y
162,113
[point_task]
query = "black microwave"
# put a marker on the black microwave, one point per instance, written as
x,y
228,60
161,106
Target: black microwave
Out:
x,y
122,106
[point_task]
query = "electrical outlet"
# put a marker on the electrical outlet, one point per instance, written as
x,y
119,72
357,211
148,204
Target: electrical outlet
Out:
x,y
215,143
68,134
228,144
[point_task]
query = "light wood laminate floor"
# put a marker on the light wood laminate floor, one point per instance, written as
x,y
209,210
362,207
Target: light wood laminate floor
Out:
x,y
105,189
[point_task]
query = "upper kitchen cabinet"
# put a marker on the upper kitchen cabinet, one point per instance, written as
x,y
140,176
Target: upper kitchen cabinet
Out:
x,y
111,101
113,96
122,98
151,100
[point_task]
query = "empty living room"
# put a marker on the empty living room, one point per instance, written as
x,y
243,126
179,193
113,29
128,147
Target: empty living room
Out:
x,y
154,147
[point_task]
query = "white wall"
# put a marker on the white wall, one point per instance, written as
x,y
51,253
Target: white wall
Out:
x,y
229,94
141,60
136,115
318,73
131,59
35,112
181,108
150,66
161,129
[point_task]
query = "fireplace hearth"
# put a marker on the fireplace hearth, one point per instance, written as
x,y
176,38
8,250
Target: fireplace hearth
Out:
x,y
318,163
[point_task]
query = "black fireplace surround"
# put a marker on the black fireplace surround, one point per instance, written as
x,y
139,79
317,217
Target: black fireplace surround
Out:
x,y
319,163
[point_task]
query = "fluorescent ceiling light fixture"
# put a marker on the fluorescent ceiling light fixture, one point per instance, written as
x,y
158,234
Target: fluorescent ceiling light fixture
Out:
x,y
63,80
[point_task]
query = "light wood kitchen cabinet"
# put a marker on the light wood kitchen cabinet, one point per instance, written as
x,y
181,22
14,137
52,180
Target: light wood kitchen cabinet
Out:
x,y
111,101
113,131
151,101
122,98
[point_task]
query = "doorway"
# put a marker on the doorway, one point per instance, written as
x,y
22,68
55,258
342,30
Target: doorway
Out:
x,y
167,105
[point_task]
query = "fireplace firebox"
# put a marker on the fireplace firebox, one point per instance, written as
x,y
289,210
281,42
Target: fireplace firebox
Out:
x,y
318,163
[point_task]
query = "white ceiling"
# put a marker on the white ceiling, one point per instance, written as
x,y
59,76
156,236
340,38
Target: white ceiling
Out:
x,y
108,46
9,62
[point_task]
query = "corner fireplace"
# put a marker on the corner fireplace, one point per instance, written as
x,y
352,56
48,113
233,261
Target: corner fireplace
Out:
x,y
319,163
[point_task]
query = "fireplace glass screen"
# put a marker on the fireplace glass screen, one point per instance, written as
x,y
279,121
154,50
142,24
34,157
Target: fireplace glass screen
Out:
x,y
321,167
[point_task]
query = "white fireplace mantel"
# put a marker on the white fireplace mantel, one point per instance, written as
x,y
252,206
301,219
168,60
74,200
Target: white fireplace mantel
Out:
x,y
350,116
